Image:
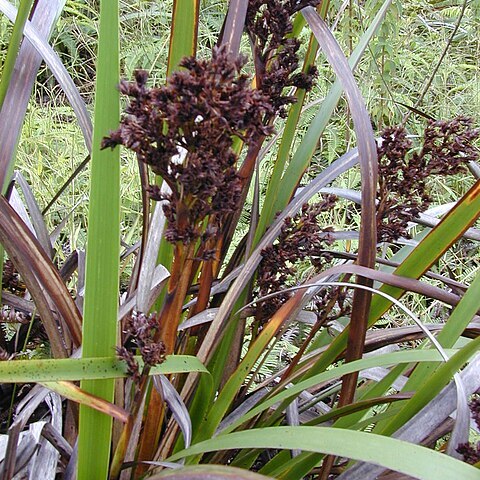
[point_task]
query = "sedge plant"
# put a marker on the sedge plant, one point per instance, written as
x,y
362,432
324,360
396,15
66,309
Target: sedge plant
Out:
x,y
168,369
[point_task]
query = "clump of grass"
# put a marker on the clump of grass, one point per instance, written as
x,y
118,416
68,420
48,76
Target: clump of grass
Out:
x,y
226,273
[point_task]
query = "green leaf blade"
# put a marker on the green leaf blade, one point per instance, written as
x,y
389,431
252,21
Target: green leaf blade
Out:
x,y
419,462
103,243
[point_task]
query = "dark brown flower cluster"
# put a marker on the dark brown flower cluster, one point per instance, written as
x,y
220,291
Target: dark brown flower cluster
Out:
x,y
301,239
142,331
471,452
268,24
184,131
403,193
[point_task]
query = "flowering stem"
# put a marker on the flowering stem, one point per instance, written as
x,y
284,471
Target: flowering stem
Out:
x,y
168,325
177,291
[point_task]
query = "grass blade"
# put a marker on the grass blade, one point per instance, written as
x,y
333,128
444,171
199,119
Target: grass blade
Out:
x,y
103,243
58,69
183,38
13,47
93,368
15,102
388,452
357,365
367,148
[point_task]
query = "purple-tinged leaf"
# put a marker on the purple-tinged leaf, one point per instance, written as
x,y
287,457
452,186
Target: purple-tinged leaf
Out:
x,y
24,411
375,340
406,283
234,23
27,64
160,276
17,204
23,454
293,419
81,280
58,69
150,253
247,404
71,470
40,275
176,405
17,303
35,214
55,438
210,472
44,463
206,316
367,148
426,219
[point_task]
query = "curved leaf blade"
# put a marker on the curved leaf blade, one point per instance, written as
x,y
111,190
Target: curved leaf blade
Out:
x,y
414,460
367,149
36,268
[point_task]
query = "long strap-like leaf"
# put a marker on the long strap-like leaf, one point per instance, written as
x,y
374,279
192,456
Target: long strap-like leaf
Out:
x,y
368,166
103,250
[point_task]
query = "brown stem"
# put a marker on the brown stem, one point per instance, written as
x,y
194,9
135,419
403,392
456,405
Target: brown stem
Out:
x,y
245,172
320,322
177,290
124,439
207,276
168,321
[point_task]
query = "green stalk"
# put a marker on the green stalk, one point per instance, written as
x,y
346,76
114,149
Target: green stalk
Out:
x,y
183,37
183,43
103,250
